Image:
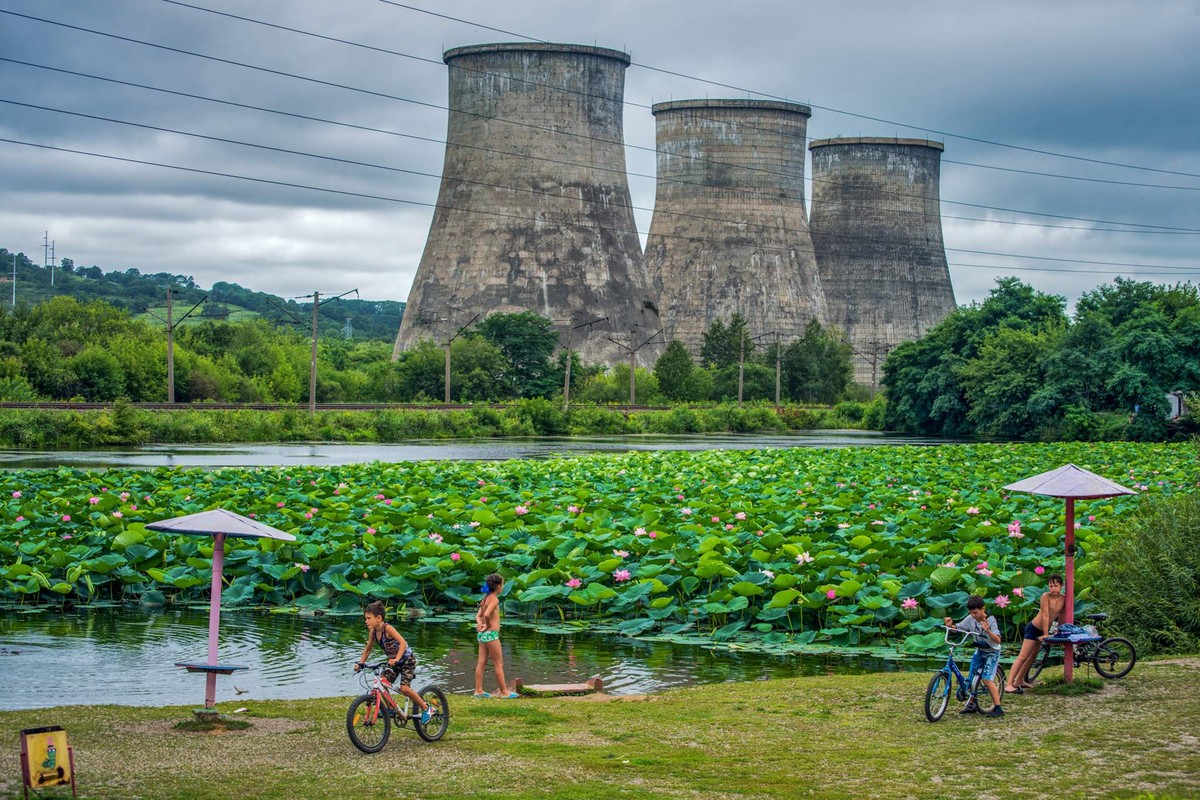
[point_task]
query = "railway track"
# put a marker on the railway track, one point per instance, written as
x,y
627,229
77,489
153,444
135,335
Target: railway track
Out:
x,y
70,406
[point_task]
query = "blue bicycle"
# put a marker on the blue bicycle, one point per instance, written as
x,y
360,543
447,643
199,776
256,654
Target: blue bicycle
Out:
x,y
937,696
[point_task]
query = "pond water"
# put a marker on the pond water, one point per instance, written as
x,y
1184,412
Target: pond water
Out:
x,y
333,454
127,656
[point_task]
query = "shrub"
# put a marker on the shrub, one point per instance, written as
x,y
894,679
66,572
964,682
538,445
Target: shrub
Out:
x,y
874,414
850,411
1148,578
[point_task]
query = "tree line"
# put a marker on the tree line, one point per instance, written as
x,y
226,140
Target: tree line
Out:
x,y
65,349
1018,366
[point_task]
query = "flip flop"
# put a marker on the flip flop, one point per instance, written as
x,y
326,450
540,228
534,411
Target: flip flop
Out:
x,y
510,696
480,696
1017,690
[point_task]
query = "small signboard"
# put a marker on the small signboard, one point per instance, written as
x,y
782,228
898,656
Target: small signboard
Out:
x,y
46,759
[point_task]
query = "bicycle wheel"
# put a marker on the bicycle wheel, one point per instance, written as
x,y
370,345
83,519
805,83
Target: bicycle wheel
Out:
x,y
439,721
1039,663
937,696
369,731
1114,657
983,697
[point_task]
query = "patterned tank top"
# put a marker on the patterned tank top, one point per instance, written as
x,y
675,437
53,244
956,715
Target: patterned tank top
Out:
x,y
390,646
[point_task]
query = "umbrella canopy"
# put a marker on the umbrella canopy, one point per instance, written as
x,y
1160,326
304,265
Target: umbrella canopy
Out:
x,y
221,525
1071,483
219,520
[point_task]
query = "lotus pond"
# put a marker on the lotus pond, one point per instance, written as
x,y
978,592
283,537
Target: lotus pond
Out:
x,y
790,548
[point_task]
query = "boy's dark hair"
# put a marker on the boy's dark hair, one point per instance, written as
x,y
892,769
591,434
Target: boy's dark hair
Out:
x,y
376,609
974,602
1055,579
493,581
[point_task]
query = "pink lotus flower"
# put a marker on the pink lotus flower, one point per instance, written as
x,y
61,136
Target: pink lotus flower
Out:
x,y
653,534
17,495
93,500
481,481
455,556
621,575
987,573
574,583
118,514
21,518
1014,527
520,511
436,537
758,533
1039,570
68,536
380,496
639,532
1078,525
387,502
878,522
573,509
66,518
740,515
804,558
621,553
307,515
922,508
1018,591
770,575
279,504
728,526
371,531
843,524
972,510
831,594
687,512
678,497
987,523
716,519
474,524
1002,601
910,603
1091,517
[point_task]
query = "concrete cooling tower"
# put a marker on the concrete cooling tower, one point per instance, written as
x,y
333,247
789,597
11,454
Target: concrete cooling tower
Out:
x,y
534,211
729,232
877,228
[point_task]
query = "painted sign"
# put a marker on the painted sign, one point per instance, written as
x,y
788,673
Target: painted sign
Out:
x,y
46,759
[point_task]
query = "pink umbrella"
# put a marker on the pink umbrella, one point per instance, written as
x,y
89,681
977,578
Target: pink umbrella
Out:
x,y
1070,483
221,524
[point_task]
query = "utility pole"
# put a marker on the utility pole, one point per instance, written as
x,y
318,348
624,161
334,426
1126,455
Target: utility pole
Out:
x,y
312,364
778,360
741,364
632,360
172,324
14,255
570,358
446,397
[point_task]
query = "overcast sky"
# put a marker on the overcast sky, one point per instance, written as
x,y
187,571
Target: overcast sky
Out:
x,y
1114,81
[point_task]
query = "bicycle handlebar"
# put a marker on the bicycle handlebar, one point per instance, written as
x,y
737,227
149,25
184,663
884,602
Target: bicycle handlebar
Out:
x,y
964,634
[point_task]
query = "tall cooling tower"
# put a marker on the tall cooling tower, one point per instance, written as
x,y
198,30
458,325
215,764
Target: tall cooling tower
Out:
x,y
877,228
729,232
534,211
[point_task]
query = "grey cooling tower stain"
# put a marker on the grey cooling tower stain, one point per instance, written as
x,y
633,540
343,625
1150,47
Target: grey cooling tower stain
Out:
x,y
877,229
729,232
534,211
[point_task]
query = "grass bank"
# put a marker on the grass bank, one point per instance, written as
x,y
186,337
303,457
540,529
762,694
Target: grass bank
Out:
x,y
123,425
827,737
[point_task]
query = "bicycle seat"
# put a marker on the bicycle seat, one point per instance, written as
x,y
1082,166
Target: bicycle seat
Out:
x,y
1097,617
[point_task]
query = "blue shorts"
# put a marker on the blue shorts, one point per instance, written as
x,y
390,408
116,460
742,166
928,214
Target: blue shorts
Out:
x,y
985,662
1033,632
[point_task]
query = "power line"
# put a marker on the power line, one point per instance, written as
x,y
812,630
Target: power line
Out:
x,y
823,108
363,195
566,90
1154,229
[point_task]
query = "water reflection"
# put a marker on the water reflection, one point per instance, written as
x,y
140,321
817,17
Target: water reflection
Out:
x,y
333,454
127,657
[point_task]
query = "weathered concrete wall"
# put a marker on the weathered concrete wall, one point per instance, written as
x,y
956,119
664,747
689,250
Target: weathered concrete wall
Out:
x,y
534,211
877,229
729,232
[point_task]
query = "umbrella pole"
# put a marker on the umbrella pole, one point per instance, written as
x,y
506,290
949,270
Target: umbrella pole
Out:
x,y
1069,580
214,620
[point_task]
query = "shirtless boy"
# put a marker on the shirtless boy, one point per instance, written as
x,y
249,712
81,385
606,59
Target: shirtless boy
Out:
x,y
1053,602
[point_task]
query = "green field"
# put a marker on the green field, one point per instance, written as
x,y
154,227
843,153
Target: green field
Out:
x,y
838,736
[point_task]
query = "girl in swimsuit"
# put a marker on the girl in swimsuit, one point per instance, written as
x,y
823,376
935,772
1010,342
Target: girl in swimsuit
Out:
x,y
1050,610
487,632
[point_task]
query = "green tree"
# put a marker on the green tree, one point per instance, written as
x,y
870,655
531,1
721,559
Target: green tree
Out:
x,y
723,343
673,371
528,342
97,375
817,367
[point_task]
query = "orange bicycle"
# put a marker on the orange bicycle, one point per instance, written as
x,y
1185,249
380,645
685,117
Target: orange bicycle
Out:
x,y
370,716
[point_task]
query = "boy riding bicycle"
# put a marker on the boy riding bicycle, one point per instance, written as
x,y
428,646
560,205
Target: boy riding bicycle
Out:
x,y
987,650
402,662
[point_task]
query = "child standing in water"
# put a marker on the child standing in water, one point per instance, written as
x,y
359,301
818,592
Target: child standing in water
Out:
x,y
402,662
487,627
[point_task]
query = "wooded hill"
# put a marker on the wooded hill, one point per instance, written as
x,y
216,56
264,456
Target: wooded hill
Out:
x,y
142,293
